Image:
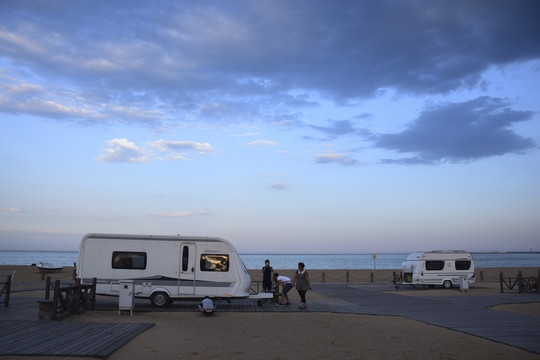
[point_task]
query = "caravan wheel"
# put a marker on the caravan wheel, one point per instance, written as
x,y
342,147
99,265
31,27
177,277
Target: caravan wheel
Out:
x,y
160,299
447,284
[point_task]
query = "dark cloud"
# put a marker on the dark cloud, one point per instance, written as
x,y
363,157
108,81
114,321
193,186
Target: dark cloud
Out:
x,y
279,186
204,58
337,128
459,132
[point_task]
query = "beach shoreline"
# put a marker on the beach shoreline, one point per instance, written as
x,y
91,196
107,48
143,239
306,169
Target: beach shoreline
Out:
x,y
24,273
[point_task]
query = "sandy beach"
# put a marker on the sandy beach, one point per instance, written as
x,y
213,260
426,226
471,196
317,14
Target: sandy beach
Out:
x,y
233,335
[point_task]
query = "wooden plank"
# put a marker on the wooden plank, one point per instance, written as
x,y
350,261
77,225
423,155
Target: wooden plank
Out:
x,y
49,338
126,337
44,335
66,336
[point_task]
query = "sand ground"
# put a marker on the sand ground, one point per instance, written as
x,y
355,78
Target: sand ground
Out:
x,y
180,335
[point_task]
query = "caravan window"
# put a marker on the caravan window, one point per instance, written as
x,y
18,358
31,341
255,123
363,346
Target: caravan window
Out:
x,y
434,265
129,260
214,262
463,264
185,258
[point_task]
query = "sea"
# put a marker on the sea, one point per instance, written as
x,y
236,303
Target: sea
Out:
x,y
290,261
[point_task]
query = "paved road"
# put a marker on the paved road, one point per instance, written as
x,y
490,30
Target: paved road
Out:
x,y
468,314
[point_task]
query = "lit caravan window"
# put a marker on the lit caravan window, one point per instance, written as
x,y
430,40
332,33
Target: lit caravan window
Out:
x,y
214,262
463,264
185,258
434,265
129,260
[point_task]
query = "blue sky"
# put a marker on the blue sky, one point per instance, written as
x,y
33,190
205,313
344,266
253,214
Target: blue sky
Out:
x,y
283,126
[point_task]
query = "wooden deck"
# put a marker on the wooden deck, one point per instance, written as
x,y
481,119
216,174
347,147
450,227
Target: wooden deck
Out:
x,y
54,338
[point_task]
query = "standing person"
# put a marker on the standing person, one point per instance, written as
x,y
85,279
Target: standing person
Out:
x,y
301,279
267,271
287,286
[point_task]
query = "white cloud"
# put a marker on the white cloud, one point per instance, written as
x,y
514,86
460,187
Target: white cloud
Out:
x,y
13,210
261,143
123,150
174,214
175,157
338,158
179,147
248,134
182,214
282,123
61,103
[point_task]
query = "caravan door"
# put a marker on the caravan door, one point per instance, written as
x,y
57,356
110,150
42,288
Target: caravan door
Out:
x,y
186,280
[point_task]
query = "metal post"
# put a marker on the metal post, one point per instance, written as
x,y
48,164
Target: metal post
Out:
x,y
501,280
8,290
54,307
323,276
538,282
520,282
394,273
48,288
76,302
371,277
481,275
347,276
93,302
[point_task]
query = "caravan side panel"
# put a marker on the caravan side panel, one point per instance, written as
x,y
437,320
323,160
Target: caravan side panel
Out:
x,y
438,268
145,262
183,267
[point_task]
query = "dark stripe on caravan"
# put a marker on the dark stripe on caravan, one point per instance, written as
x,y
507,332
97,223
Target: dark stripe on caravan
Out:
x,y
164,282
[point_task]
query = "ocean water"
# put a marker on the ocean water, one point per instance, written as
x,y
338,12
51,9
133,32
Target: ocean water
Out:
x,y
290,261
57,258
340,261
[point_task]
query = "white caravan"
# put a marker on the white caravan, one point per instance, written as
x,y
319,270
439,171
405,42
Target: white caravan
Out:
x,y
164,268
438,268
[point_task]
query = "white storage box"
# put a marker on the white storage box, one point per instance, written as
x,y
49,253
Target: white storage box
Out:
x,y
125,297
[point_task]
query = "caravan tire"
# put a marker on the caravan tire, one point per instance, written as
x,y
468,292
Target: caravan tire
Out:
x,y
447,284
160,299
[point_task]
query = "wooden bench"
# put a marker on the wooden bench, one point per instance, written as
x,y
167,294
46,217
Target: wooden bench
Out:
x,y
6,277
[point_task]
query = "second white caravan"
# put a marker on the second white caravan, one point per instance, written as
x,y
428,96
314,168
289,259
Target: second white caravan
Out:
x,y
444,268
164,268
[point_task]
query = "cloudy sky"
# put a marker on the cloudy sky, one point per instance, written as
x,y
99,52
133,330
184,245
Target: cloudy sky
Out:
x,y
283,126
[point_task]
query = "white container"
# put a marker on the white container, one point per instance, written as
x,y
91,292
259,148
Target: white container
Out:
x,y
125,298
464,284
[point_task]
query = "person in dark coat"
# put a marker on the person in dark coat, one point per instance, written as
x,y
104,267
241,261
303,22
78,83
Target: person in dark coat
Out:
x,y
267,276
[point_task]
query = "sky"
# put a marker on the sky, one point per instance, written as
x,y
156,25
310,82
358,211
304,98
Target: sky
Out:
x,y
283,126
